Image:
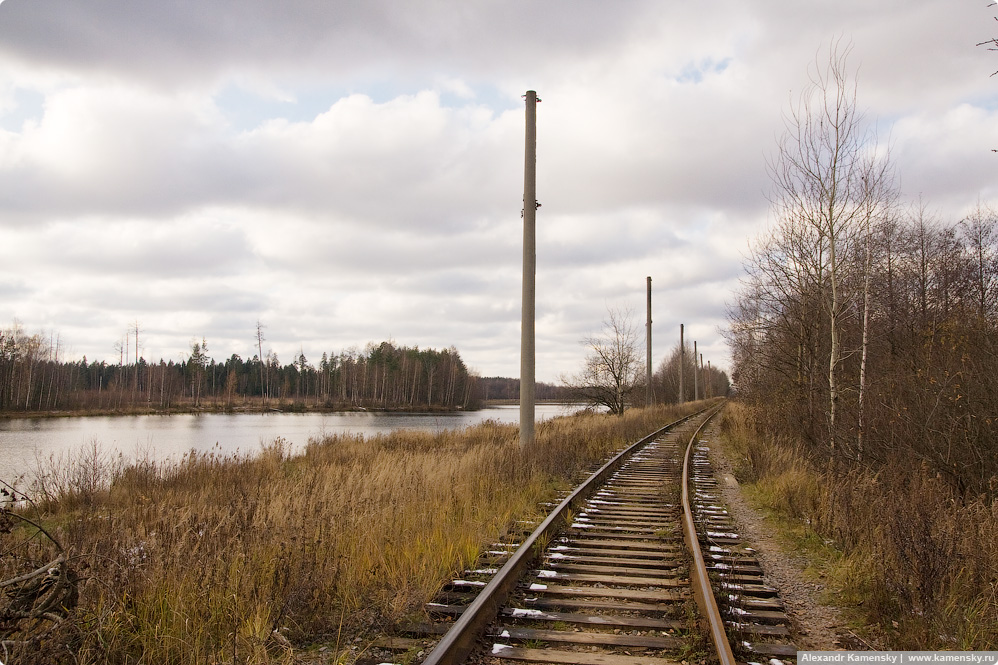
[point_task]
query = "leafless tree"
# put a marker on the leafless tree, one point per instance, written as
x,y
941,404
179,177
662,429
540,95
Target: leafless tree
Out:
x,y
612,367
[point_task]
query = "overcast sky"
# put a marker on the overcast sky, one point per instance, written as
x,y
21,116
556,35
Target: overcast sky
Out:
x,y
350,172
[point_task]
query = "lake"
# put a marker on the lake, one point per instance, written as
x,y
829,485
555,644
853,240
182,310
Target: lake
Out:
x,y
26,441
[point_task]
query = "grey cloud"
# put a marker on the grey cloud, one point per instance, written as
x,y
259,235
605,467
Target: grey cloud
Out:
x,y
407,163
175,42
378,191
12,288
162,296
144,250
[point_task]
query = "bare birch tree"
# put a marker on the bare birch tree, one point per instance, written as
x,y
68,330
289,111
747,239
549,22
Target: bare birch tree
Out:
x,y
819,186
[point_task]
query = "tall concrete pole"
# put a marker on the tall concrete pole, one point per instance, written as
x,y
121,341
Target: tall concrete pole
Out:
x,y
696,372
703,379
682,365
707,383
527,383
648,392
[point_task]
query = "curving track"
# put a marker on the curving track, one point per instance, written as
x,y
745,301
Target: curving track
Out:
x,y
615,574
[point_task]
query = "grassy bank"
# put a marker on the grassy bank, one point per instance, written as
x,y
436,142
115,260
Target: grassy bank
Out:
x,y
202,561
898,547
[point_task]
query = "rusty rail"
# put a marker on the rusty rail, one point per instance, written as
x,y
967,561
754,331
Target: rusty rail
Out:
x,y
698,569
455,646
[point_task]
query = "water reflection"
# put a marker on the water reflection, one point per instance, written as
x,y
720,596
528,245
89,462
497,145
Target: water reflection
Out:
x,y
24,442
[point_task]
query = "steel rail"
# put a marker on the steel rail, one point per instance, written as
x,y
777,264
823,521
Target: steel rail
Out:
x,y
698,570
458,642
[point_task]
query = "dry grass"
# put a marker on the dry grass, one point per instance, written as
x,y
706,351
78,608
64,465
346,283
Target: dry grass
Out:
x,y
917,561
234,559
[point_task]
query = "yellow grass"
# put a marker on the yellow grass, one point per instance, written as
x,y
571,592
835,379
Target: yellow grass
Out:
x,y
202,561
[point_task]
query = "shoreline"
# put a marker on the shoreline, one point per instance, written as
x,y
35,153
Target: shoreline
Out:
x,y
283,407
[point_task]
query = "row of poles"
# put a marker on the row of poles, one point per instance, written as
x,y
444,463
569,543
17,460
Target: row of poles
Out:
x,y
698,382
697,363
527,349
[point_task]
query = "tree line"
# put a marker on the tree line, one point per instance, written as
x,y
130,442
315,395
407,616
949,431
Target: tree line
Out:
x,y
867,326
499,388
33,378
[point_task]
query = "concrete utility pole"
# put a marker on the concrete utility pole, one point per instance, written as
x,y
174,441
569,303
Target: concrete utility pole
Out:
x,y
648,391
682,365
703,379
527,383
696,378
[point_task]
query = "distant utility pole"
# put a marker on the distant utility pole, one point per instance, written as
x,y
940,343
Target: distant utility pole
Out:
x,y
648,390
703,379
696,379
682,365
706,385
264,384
530,205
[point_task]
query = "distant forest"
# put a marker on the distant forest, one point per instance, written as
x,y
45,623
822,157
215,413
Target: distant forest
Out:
x,y
384,376
497,388
33,379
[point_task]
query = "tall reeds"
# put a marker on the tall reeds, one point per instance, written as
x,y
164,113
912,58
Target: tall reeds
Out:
x,y
234,558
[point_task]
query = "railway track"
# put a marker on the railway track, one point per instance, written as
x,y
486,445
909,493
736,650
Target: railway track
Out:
x,y
626,570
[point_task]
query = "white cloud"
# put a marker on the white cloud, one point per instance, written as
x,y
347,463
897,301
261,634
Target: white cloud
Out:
x,y
348,172
962,134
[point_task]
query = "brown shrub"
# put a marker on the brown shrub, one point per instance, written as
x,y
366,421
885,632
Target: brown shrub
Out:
x,y
922,557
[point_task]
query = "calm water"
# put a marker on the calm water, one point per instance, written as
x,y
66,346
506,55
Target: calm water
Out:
x,y
26,441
